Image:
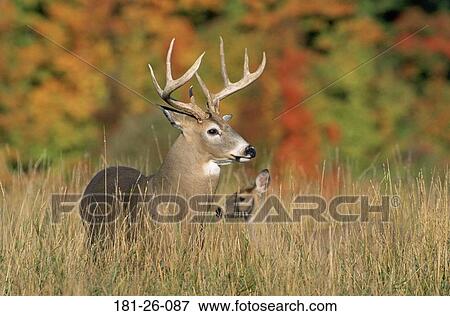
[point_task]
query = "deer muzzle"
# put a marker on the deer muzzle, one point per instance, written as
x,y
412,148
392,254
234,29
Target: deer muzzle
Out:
x,y
249,153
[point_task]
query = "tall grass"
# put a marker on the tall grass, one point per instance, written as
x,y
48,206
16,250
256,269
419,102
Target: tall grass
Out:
x,y
407,255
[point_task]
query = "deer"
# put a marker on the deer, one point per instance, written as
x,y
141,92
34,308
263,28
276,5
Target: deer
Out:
x,y
192,165
242,204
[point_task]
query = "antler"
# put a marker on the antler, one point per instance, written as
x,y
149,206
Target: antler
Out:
x,y
190,108
230,87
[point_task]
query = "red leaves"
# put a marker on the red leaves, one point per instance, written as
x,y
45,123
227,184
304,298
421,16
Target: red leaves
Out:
x,y
300,146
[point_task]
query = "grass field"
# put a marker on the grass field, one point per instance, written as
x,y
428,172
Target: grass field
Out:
x,y
409,255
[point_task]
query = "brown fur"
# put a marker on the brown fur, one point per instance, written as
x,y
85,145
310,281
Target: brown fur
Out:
x,y
182,173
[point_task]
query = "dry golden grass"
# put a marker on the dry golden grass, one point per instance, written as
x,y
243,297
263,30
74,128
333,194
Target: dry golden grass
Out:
x,y
407,256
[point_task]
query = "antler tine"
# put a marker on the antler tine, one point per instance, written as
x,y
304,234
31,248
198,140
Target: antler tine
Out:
x,y
230,87
247,79
190,108
205,90
246,70
169,62
223,65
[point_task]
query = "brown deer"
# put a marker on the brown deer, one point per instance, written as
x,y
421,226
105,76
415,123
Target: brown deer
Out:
x,y
244,202
242,205
192,165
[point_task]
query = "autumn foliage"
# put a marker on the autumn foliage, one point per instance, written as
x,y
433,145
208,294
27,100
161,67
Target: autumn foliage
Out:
x,y
52,104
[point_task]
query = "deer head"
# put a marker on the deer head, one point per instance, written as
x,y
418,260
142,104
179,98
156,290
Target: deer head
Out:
x,y
241,204
206,129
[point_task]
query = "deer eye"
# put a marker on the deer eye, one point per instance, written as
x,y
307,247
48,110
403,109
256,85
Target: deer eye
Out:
x,y
213,131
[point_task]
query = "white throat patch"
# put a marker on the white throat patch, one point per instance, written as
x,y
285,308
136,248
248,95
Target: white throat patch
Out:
x,y
211,169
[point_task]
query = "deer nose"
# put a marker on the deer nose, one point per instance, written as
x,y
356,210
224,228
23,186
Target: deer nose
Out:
x,y
250,151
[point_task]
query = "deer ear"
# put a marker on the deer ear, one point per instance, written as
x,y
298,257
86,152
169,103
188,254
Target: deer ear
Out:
x,y
175,118
171,116
262,181
227,117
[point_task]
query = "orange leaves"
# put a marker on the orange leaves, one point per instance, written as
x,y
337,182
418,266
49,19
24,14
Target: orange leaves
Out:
x,y
328,8
299,147
395,99
8,15
73,17
434,39
298,153
200,4
334,133
439,45
365,30
268,14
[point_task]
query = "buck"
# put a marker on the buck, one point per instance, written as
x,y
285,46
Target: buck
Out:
x,y
193,163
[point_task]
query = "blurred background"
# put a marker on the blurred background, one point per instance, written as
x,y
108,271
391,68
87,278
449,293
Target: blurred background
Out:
x,y
54,108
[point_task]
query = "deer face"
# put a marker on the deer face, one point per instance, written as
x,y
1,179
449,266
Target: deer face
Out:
x,y
213,137
242,203
207,129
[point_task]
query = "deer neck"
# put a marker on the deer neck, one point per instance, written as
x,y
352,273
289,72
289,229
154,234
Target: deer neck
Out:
x,y
186,171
